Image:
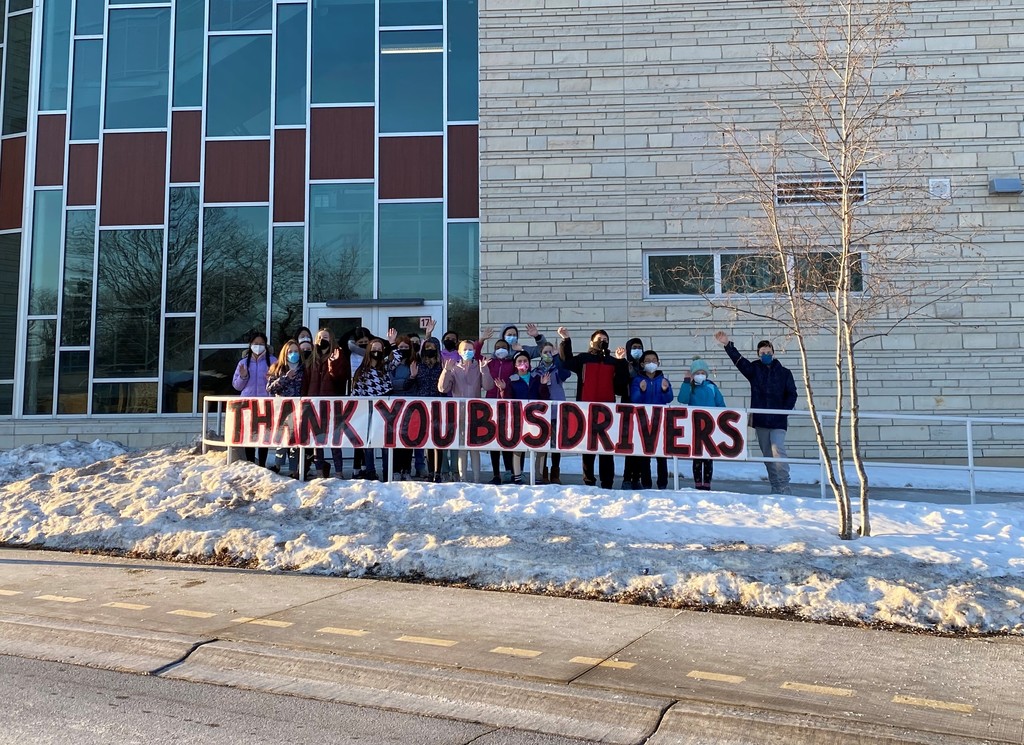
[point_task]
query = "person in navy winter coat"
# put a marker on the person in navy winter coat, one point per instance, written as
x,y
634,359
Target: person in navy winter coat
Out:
x,y
650,387
771,387
699,391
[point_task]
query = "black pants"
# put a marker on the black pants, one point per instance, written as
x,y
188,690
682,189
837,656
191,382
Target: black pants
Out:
x,y
702,470
645,472
256,455
499,456
606,468
634,469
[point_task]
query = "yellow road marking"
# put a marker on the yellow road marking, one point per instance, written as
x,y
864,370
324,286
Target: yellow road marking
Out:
x,y
9,592
60,599
191,613
269,622
513,652
823,690
126,606
717,677
427,640
933,704
342,632
243,619
604,663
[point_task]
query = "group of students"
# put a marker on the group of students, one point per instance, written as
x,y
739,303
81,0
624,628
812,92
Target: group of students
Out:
x,y
362,364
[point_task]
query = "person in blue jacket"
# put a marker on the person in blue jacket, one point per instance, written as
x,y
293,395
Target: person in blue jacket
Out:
x,y
526,385
650,387
699,391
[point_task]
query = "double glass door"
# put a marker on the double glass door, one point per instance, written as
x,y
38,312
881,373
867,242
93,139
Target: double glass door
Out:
x,y
405,319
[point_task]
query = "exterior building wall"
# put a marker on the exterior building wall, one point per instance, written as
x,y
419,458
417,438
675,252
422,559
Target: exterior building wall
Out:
x,y
599,147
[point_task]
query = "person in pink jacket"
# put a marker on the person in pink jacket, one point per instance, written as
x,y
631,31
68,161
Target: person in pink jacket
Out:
x,y
250,380
466,379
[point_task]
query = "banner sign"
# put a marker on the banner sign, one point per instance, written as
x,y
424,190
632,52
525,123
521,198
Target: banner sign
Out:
x,y
487,424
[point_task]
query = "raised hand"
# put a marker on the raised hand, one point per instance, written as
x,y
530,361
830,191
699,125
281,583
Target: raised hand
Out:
x,y
664,385
563,332
449,365
487,334
431,325
483,363
392,335
620,353
721,337
413,369
531,329
545,379
500,382
243,371
643,386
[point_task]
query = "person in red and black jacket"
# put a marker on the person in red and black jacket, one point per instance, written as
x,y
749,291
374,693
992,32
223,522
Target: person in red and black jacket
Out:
x,y
601,378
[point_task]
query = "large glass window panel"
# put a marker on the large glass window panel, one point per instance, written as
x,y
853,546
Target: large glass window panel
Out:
x,y
89,17
291,64
124,398
40,357
286,284
128,303
411,249
234,295
85,90
76,310
6,399
464,278
216,367
73,383
341,225
138,68
751,273
10,271
18,53
189,33
53,73
45,274
14,6
411,81
183,249
238,98
179,357
240,15
411,13
684,274
343,51
463,61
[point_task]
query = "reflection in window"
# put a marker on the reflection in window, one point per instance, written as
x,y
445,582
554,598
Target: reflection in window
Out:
x,y
89,17
411,13
40,356
411,81
138,48
76,309
128,303
819,272
238,97
124,398
234,294
53,73
85,90
182,249
179,358
73,383
340,242
6,399
18,53
291,65
751,273
216,366
10,271
46,223
464,278
343,50
240,15
411,250
189,21
463,61
686,274
286,284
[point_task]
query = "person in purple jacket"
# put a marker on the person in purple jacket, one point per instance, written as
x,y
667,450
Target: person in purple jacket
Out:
x,y
650,387
250,380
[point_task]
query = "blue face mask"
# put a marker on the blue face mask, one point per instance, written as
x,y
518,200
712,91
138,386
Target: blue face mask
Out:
x,y
467,354
766,359
293,357
636,353
511,339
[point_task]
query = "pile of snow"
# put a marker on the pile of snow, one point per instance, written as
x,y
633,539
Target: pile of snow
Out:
x,y
949,568
21,463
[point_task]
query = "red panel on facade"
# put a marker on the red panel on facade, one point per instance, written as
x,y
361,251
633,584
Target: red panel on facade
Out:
x,y
411,167
289,175
463,171
12,182
50,150
134,178
186,146
238,171
341,143
82,161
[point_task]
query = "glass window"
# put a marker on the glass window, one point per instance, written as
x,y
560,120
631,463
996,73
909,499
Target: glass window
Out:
x,y
46,225
13,6
238,98
10,271
179,357
686,274
750,273
240,15
341,229
89,17
40,357
182,249
234,295
6,395
343,51
73,383
291,65
138,50
53,74
124,398
216,367
411,13
819,272
463,279
76,310
189,28
286,284
18,52
411,250
128,303
85,90
463,61
411,81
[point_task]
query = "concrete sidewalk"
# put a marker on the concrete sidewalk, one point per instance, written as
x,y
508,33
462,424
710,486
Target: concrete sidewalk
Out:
x,y
596,671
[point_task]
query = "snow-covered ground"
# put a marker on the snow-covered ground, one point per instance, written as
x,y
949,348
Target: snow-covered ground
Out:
x,y
942,567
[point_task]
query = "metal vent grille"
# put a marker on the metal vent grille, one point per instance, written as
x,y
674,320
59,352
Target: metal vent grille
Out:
x,y
817,188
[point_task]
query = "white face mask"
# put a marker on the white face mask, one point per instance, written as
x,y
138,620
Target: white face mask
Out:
x,y
501,353
699,378
257,349
651,367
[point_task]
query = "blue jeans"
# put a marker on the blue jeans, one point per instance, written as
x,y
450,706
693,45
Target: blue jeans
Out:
x,y
773,445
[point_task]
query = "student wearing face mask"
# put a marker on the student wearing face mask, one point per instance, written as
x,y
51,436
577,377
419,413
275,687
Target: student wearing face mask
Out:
x,y
510,334
250,380
699,391
305,338
353,346
501,368
524,385
373,379
427,380
650,387
551,366
286,378
634,465
326,375
466,379
404,371
601,377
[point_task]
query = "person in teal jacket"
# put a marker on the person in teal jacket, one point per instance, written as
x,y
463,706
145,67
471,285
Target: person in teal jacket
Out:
x,y
699,391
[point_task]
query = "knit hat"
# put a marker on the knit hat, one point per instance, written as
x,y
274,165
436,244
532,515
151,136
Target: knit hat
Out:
x,y
699,365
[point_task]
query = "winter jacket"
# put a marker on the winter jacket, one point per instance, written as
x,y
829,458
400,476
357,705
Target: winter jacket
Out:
x,y
327,376
527,389
653,393
601,377
533,350
771,387
372,382
256,383
427,380
705,394
635,366
500,370
559,374
465,380
401,375
282,385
